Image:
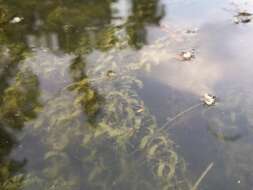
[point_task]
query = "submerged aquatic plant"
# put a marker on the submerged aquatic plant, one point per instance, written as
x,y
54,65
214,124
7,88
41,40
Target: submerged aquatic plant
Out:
x,y
95,132
101,123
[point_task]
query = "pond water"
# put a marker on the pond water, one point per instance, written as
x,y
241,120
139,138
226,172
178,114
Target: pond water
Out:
x,y
97,94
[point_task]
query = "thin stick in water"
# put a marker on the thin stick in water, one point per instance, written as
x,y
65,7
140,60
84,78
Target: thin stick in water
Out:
x,y
195,186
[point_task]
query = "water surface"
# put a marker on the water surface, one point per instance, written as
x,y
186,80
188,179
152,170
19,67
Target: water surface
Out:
x,y
86,85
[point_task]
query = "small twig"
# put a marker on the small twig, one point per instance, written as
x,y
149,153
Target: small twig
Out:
x,y
195,186
178,116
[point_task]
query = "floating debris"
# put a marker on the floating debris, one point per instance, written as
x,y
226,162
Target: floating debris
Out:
x,y
140,110
111,74
245,20
244,13
243,17
236,20
16,20
209,99
186,55
192,31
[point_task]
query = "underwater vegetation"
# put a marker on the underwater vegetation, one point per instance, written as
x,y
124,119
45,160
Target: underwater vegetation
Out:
x,y
95,132
71,116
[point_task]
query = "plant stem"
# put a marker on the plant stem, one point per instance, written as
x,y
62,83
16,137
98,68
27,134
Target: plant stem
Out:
x,y
195,186
178,116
